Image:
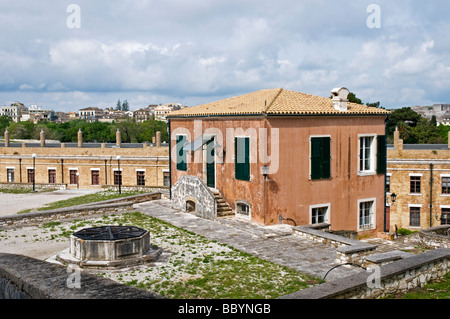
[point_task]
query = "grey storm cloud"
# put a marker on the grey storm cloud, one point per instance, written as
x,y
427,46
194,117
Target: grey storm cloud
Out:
x,y
194,51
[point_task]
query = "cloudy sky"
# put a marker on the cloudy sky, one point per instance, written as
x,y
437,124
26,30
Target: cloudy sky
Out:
x,y
197,51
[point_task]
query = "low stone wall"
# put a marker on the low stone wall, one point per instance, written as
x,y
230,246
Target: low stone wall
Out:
x,y
108,207
348,250
378,282
23,277
28,186
149,189
434,237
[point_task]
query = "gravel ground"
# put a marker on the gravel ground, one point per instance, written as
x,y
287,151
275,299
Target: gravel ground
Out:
x,y
12,203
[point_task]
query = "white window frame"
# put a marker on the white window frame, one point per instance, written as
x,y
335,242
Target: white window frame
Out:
x,y
373,213
409,214
442,194
8,168
243,202
373,154
327,214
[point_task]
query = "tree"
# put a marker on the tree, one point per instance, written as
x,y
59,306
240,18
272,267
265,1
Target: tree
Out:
x,y
5,121
404,117
375,104
125,106
352,98
119,105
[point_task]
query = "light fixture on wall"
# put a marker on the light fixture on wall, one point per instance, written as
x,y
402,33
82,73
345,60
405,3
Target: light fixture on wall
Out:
x,y
393,197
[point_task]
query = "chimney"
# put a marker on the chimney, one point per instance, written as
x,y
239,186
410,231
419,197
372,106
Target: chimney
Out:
x,y
80,138
118,138
340,98
42,135
6,138
158,139
398,142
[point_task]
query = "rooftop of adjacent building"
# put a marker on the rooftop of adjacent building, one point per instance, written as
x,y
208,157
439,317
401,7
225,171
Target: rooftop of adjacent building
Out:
x,y
279,102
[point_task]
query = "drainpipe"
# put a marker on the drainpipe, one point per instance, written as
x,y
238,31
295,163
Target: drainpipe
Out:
x,y
385,173
170,160
20,170
431,194
62,171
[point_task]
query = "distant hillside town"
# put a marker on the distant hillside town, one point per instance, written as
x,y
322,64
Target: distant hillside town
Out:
x,y
440,111
18,112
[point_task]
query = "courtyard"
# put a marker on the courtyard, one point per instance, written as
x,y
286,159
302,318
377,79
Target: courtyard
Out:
x,y
225,258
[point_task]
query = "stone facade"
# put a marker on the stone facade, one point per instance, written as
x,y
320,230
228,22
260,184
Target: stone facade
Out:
x,y
430,165
96,165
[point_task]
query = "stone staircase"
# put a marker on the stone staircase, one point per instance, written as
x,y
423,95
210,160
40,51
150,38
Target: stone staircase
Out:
x,y
223,209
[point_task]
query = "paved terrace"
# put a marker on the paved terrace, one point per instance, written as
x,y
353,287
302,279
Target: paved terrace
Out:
x,y
273,243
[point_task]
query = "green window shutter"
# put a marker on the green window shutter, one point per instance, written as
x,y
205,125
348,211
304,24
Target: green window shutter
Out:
x,y
181,155
320,157
242,158
326,157
381,154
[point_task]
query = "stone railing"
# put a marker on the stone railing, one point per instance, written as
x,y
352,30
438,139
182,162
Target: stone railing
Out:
x,y
348,250
23,277
192,188
381,281
112,206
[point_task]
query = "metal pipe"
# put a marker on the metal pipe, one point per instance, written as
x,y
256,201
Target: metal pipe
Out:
x,y
431,194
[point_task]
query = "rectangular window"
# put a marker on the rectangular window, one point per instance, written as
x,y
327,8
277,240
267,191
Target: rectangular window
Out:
x,y
73,177
414,216
445,185
415,184
140,177
445,216
10,173
51,176
366,214
320,157
242,158
30,174
181,154
388,184
319,215
95,177
365,154
166,179
117,177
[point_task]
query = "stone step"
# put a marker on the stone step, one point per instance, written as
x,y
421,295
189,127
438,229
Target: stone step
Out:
x,y
223,209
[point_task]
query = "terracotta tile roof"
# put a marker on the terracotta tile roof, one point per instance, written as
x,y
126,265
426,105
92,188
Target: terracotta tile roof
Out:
x,y
275,102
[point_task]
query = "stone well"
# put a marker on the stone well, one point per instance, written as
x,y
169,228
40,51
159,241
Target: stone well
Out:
x,y
110,247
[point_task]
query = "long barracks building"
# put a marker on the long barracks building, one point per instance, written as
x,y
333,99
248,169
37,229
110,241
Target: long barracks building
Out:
x,y
84,165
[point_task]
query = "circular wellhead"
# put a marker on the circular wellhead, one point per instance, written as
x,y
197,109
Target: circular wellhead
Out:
x,y
110,233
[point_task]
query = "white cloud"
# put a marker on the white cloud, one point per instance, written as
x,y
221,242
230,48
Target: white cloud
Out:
x,y
195,50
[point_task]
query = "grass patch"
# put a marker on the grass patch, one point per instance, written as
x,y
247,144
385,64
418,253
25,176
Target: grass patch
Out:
x,y
17,190
194,266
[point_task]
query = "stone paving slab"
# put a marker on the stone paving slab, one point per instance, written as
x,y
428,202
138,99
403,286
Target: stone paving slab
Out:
x,y
273,243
